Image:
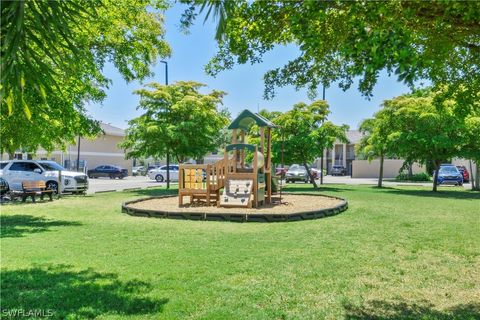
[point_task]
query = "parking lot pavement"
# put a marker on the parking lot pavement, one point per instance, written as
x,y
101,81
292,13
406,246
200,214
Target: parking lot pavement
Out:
x,y
374,181
142,182
130,182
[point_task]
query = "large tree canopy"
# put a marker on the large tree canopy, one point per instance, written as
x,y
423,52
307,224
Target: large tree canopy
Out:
x,y
53,55
177,120
421,130
342,40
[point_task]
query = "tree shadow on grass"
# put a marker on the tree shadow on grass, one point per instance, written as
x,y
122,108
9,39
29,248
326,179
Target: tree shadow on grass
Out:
x,y
15,226
383,310
445,194
75,294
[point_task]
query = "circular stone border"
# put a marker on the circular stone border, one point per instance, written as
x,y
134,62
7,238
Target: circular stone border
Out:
x,y
236,216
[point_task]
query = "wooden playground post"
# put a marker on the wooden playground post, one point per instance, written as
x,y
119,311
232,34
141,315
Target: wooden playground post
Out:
x,y
180,186
236,154
242,152
268,159
207,183
255,177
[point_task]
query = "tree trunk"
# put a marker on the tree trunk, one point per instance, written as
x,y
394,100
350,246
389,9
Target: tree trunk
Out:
x,y
309,172
11,155
472,175
436,164
380,174
477,175
410,171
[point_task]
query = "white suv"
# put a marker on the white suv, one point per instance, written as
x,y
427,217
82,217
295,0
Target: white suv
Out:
x,y
16,171
160,174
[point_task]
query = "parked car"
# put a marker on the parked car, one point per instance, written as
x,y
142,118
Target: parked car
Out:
x,y
152,167
4,188
449,174
17,171
338,170
296,173
464,172
108,171
160,174
139,171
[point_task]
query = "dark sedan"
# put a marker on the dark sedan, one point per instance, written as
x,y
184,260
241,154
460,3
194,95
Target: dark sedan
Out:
x,y
338,170
108,171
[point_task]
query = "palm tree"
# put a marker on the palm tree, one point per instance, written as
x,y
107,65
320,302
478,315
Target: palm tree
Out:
x,y
218,10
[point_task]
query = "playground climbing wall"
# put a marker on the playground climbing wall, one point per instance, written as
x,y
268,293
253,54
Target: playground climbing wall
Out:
x,y
237,193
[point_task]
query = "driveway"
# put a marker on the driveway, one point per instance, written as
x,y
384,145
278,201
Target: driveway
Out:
x,y
142,182
130,182
374,181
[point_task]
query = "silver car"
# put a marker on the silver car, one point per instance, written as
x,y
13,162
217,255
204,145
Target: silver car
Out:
x,y
160,174
296,173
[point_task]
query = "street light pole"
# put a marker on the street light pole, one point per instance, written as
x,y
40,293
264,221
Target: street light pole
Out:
x,y
78,153
168,153
321,158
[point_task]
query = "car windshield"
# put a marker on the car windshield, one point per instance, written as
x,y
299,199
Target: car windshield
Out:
x,y
296,167
52,166
448,170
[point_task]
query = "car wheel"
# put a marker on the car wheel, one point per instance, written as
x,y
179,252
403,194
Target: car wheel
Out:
x,y
121,177
159,178
112,177
306,181
90,176
52,185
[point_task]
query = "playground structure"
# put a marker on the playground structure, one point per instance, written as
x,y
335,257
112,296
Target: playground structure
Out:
x,y
243,186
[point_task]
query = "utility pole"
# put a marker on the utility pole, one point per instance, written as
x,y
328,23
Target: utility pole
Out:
x,y
78,153
168,152
321,158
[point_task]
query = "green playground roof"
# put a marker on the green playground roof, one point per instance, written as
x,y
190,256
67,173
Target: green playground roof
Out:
x,y
246,118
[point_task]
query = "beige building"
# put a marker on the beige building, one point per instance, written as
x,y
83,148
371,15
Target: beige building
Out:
x,y
341,154
344,154
103,150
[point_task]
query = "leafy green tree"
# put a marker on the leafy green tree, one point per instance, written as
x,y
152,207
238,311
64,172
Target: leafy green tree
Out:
x,y
57,126
471,149
340,41
424,131
306,133
376,142
177,120
53,55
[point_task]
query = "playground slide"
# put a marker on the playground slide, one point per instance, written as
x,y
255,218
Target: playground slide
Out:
x,y
237,193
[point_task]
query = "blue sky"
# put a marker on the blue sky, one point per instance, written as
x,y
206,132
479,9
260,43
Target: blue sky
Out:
x,y
244,83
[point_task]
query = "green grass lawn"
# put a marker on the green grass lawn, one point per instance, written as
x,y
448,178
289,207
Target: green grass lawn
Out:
x,y
396,253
